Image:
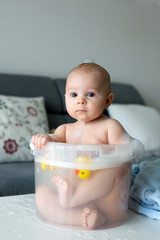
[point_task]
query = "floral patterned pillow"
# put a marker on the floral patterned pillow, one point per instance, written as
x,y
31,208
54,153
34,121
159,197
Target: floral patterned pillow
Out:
x,y
20,118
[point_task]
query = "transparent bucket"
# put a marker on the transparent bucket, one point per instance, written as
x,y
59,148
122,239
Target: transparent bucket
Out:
x,y
83,186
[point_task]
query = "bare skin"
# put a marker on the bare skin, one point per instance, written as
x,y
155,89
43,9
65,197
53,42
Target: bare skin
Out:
x,y
87,94
89,209
78,192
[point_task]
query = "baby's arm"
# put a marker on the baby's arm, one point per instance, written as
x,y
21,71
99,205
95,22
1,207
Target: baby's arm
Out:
x,y
116,133
40,140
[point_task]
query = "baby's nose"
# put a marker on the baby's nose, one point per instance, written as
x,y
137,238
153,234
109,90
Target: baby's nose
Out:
x,y
81,101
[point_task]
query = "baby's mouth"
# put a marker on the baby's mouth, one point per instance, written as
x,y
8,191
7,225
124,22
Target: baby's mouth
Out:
x,y
81,110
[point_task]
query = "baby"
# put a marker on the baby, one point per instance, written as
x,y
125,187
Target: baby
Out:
x,y
88,93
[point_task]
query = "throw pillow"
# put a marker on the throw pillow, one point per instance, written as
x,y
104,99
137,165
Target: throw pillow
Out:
x,y
141,122
20,118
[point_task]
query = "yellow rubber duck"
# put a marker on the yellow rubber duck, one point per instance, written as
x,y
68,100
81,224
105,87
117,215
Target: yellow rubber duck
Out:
x,y
44,166
83,174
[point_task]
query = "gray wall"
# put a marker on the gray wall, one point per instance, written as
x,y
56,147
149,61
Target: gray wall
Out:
x,y
50,37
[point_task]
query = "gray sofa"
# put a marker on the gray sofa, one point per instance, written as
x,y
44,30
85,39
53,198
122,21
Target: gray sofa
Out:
x,y
18,177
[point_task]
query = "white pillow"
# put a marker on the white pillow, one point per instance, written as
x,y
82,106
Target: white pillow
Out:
x,y
141,122
20,118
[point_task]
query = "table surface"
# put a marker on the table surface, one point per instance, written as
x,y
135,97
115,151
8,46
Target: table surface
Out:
x,y
18,221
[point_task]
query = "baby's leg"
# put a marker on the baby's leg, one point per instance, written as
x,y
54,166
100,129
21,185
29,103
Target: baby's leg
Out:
x,y
115,205
50,208
92,218
48,205
64,189
98,185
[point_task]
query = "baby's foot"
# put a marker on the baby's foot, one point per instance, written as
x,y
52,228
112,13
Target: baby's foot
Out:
x,y
91,218
63,190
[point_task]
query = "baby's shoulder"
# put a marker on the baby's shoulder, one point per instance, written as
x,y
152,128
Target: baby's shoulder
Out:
x,y
112,125
60,129
111,121
70,126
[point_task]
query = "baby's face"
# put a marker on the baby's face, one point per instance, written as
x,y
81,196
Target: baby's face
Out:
x,y
86,95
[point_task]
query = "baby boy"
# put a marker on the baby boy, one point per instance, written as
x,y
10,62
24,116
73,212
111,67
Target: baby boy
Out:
x,y
87,94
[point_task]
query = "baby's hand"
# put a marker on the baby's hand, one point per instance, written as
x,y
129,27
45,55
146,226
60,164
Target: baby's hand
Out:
x,y
40,140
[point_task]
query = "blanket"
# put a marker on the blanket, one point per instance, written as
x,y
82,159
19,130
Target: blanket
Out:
x,y
145,189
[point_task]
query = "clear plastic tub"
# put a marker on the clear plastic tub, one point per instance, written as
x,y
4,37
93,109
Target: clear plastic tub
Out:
x,y
83,186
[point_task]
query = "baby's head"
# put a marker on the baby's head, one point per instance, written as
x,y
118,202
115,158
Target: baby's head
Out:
x,y
93,68
88,90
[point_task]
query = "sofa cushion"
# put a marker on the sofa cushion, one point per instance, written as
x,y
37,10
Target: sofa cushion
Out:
x,y
20,118
126,94
141,122
32,86
61,83
16,178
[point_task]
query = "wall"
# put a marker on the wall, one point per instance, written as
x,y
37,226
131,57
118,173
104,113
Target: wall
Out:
x,y
50,37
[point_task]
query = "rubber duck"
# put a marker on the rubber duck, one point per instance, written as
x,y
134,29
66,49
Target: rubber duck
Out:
x,y
44,166
83,174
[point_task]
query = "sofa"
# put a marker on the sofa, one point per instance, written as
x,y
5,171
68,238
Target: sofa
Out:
x,y
17,176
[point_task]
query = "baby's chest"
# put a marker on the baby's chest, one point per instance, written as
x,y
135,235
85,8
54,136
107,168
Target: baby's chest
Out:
x,y
88,136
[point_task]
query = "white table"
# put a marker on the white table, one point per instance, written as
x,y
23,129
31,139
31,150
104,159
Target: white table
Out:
x,y
18,221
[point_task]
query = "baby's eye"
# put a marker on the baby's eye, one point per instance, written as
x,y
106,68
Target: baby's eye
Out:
x,y
73,94
91,94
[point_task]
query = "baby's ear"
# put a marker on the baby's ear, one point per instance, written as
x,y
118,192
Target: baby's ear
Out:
x,y
109,100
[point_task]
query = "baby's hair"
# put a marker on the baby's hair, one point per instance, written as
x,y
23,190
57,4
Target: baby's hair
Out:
x,y
93,67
